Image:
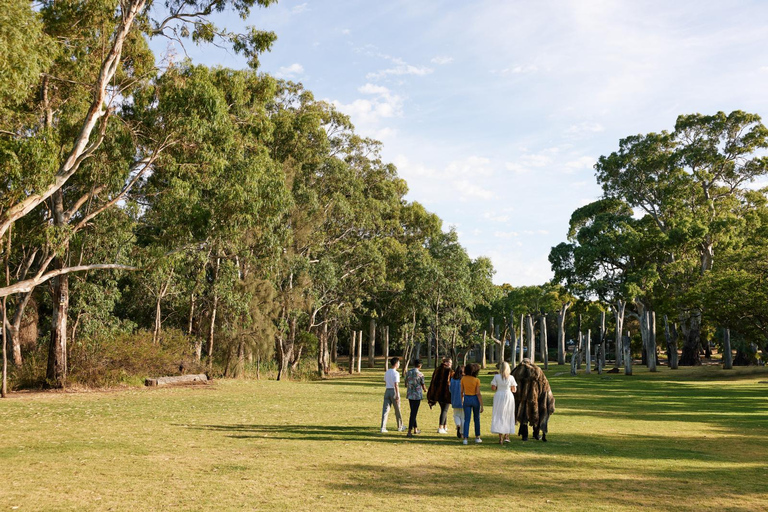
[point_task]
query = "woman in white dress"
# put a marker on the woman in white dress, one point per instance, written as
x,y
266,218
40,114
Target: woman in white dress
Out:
x,y
503,420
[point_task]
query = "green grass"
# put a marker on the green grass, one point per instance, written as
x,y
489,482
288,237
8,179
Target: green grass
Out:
x,y
692,439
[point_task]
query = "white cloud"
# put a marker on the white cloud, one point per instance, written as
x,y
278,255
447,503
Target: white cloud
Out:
x,y
516,70
585,128
580,164
441,60
290,71
401,68
368,112
468,190
506,234
470,166
494,217
346,31
300,9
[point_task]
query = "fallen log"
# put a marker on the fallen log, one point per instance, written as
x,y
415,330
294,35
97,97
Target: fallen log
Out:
x,y
180,379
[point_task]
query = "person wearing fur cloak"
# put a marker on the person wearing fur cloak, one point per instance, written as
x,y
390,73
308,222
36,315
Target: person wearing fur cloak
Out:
x,y
534,401
440,392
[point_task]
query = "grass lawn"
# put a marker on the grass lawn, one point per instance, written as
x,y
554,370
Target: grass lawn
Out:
x,y
692,439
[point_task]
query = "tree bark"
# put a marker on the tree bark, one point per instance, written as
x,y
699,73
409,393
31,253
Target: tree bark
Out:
x,y
727,354
372,343
543,339
483,362
602,340
386,345
692,335
561,333
588,352
531,339
352,341
213,316
360,352
618,312
627,349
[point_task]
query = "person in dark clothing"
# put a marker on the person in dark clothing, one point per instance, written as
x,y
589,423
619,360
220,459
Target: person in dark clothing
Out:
x,y
440,392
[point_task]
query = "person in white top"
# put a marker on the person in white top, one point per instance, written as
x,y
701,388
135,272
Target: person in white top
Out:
x,y
392,395
503,420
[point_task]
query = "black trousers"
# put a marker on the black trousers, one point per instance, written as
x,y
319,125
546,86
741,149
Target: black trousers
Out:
x,y
444,412
414,411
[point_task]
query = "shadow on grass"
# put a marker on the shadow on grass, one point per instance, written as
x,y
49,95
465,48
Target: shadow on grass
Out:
x,y
316,433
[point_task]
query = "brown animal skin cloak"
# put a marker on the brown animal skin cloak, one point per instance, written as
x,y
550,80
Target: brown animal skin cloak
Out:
x,y
534,401
440,386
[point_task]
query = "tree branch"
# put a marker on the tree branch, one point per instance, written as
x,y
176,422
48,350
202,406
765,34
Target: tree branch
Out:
x,y
29,284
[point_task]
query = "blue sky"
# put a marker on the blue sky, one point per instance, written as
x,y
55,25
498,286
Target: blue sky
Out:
x,y
495,111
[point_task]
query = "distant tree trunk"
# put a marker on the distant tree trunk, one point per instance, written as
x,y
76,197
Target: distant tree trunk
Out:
x,y
561,333
335,343
56,374
543,339
213,316
671,339
352,340
483,362
430,338
627,349
618,312
4,387
727,354
15,329
372,343
158,312
323,366
602,340
241,358
360,352
574,359
386,345
513,348
692,333
588,352
531,339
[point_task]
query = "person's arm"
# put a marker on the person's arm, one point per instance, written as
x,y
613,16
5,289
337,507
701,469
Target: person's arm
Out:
x,y
423,386
397,391
479,396
461,386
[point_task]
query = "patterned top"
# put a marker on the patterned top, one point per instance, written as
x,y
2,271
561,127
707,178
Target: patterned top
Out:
x,y
414,383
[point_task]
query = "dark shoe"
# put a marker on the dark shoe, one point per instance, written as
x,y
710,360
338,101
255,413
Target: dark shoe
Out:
x,y
458,432
543,438
409,434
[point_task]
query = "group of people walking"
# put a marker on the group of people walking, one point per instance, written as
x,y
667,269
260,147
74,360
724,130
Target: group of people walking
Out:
x,y
458,389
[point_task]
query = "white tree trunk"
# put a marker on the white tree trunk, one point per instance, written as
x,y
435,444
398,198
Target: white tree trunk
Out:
x,y
372,343
531,338
543,340
618,311
561,333
360,352
727,354
352,340
483,362
627,350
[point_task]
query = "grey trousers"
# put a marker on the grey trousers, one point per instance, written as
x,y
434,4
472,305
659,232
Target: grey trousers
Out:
x,y
389,400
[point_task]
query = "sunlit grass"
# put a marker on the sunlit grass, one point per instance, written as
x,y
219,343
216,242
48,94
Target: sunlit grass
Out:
x,y
693,439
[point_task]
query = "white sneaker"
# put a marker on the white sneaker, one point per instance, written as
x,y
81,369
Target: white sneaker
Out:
x,y
442,431
478,440
464,442
384,431
401,428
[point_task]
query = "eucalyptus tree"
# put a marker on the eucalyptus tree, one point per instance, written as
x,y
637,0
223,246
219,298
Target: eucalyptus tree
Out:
x,y
83,161
689,183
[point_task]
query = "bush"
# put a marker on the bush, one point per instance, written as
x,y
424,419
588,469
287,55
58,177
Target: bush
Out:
x,y
130,358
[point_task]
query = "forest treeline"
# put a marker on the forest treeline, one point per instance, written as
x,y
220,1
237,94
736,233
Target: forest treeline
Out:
x,y
168,216
223,212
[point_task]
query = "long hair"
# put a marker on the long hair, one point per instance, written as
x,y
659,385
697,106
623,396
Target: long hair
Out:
x,y
504,370
459,373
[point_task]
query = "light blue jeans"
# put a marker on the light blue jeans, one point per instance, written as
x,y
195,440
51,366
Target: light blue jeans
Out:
x,y
389,401
471,404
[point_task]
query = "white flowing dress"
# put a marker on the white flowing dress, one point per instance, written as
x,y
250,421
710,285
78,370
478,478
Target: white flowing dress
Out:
x,y
503,420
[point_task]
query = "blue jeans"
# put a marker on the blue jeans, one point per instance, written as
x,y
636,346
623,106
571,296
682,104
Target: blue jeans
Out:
x,y
471,403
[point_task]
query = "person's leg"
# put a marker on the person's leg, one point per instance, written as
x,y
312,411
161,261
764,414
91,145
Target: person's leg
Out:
x,y
385,409
412,417
444,414
415,414
523,431
399,416
467,416
458,419
477,419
